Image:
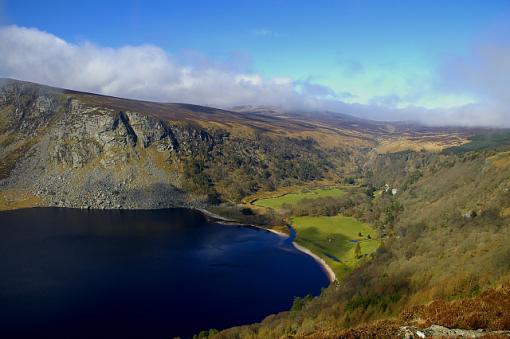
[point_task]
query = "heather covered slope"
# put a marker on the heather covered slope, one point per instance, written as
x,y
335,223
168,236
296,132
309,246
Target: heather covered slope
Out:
x,y
446,237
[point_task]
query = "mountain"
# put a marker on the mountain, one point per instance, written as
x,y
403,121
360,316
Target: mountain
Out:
x,y
443,260
67,148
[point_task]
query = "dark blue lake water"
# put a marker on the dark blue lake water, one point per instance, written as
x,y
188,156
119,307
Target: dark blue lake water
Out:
x,y
159,273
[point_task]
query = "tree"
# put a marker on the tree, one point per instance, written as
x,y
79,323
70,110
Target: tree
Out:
x,y
300,303
357,250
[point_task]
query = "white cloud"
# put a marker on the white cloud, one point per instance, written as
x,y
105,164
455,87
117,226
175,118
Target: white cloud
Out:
x,y
150,73
483,73
141,72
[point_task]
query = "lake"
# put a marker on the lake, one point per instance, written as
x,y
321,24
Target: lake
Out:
x,y
141,273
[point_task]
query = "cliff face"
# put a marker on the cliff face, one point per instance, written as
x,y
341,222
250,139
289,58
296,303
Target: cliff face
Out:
x,y
59,149
74,149
68,153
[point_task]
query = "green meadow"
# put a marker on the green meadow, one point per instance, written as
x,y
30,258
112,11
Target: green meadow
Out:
x,y
335,239
294,198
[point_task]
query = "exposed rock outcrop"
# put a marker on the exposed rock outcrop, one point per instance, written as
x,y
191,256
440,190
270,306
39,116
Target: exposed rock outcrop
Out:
x,y
76,155
82,150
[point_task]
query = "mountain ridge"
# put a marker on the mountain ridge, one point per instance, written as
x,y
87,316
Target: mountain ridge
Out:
x,y
172,154
444,233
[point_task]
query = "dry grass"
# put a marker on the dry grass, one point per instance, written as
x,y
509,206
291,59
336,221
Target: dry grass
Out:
x,y
490,310
501,160
378,329
329,131
436,143
14,199
4,116
505,212
8,162
334,139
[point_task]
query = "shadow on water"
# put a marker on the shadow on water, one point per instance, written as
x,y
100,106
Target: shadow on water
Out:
x,y
145,273
292,235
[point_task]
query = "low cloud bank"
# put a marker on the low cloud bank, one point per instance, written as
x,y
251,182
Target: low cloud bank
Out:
x,y
150,73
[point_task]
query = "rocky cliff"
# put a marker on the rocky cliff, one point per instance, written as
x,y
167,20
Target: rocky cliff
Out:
x,y
71,154
66,148
60,148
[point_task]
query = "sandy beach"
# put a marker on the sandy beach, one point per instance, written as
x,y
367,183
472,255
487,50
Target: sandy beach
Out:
x,y
327,269
325,266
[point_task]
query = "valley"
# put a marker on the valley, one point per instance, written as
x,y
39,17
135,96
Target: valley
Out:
x,y
255,169
166,155
407,216
444,246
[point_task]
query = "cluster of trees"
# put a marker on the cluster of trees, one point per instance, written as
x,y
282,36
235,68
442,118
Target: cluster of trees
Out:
x,y
432,251
491,141
248,216
236,167
381,210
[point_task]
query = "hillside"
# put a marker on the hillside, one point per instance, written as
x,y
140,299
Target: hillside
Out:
x,y
444,259
74,149
444,233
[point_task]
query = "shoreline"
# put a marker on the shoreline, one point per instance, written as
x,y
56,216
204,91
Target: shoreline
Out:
x,y
239,224
229,222
212,215
328,270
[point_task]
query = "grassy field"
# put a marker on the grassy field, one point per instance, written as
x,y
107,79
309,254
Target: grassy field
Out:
x,y
294,198
334,239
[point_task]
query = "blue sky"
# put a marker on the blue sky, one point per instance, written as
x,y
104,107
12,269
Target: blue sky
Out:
x,y
366,52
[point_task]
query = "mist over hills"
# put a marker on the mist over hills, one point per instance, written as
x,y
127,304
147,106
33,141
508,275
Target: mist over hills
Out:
x,y
457,89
